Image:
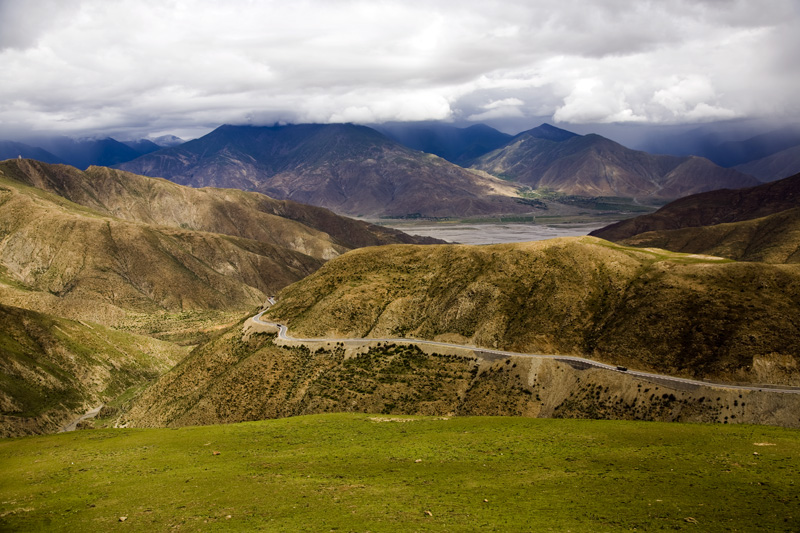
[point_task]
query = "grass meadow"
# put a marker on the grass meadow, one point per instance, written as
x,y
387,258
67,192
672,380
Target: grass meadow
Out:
x,y
359,472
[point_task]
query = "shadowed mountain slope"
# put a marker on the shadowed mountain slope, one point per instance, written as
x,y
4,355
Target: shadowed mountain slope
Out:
x,y
771,239
51,368
774,167
568,296
710,208
14,150
82,153
458,145
349,169
591,165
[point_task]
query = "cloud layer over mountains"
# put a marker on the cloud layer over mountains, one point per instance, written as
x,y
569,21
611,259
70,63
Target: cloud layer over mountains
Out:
x,y
146,66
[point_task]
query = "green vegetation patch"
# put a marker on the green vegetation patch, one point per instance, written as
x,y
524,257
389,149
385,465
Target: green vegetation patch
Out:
x,y
384,473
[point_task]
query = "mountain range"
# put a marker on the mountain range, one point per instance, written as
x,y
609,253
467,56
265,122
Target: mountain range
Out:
x,y
357,171
591,165
352,170
83,153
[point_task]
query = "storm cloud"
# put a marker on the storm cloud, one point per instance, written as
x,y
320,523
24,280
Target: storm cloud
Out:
x,y
133,67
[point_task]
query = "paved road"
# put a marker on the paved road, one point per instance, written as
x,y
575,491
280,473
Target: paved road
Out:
x,y
284,335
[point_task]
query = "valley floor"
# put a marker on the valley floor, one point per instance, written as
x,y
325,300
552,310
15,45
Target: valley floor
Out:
x,y
360,472
500,232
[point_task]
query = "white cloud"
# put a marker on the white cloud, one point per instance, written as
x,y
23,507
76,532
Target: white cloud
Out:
x,y
146,65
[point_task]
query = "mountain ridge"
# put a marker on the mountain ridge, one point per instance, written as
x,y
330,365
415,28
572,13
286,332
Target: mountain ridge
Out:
x,y
592,165
711,208
352,170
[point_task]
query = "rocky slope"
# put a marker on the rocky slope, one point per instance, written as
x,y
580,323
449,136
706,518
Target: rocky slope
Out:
x,y
711,208
52,369
640,308
232,380
353,170
591,165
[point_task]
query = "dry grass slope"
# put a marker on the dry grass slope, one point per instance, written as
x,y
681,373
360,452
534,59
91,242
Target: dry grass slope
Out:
x,y
647,309
771,239
51,247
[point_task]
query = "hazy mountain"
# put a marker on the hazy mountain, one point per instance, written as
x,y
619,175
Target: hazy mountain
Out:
x,y
547,132
566,296
167,141
458,145
54,369
13,150
591,165
732,153
142,146
726,144
349,169
711,208
82,153
774,167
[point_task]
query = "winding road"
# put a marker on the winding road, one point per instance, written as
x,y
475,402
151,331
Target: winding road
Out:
x,y
569,359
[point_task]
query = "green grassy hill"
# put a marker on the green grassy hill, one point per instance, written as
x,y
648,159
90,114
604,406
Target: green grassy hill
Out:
x,y
52,369
380,473
647,309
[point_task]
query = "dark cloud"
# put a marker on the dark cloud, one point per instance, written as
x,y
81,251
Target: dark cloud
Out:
x,y
141,66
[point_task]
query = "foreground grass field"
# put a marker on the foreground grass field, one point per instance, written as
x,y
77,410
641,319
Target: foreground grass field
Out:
x,y
377,473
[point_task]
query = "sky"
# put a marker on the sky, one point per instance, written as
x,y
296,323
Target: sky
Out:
x,y
132,68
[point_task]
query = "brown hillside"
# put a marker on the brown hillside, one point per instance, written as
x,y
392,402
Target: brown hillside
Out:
x,y
306,229
50,246
771,239
233,380
641,308
710,208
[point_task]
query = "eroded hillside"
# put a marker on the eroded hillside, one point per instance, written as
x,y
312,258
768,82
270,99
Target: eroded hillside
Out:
x,y
232,379
648,309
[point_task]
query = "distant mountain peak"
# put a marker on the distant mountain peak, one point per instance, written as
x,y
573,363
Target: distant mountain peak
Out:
x,y
549,132
166,141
